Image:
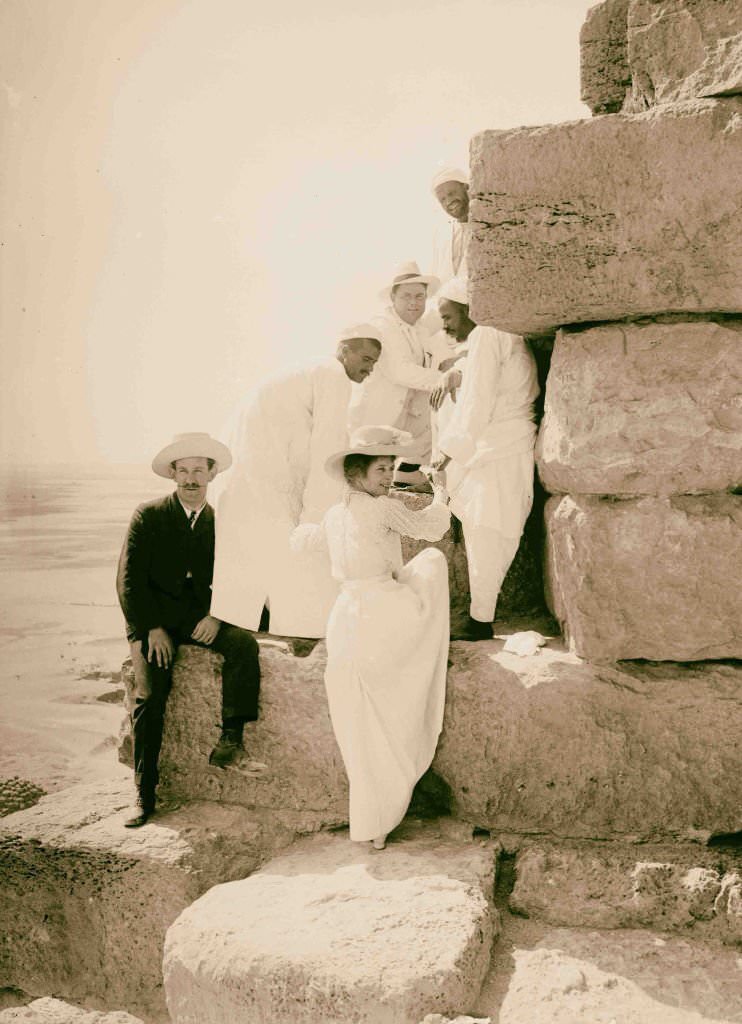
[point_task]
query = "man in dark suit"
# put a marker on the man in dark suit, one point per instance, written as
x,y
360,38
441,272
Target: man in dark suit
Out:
x,y
164,588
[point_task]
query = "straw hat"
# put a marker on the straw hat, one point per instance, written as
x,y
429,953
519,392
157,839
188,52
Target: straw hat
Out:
x,y
191,446
409,273
376,441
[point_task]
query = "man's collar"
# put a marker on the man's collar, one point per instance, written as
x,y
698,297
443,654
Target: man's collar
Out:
x,y
188,511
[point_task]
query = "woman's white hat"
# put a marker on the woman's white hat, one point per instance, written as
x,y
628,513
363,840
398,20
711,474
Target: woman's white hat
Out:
x,y
449,173
369,440
455,290
191,446
409,273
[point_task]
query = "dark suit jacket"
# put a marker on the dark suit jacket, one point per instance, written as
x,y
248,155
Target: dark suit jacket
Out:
x,y
159,550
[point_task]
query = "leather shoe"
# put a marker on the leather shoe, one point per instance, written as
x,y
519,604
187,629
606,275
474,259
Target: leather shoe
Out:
x,y
475,630
143,815
226,750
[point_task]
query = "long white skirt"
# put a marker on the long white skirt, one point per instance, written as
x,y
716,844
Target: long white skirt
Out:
x,y
387,655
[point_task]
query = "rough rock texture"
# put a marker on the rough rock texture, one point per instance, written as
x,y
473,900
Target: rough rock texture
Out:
x,y
615,218
86,902
654,578
627,977
337,932
681,49
544,743
605,76
55,1011
438,1018
686,888
644,409
635,54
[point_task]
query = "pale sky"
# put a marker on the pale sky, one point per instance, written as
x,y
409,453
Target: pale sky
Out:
x,y
196,193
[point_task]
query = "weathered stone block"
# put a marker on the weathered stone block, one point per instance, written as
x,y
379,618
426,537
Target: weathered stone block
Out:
x,y
544,743
652,409
654,578
605,77
629,976
616,886
55,1011
612,218
333,932
682,49
86,902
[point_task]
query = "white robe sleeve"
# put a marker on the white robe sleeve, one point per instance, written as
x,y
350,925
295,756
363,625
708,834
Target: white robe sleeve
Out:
x,y
476,397
308,537
429,523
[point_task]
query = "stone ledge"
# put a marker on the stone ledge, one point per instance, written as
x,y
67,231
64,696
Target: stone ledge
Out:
x,y
335,932
55,1011
86,902
543,744
608,885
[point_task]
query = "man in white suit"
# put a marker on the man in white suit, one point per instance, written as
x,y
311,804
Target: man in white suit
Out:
x,y
280,438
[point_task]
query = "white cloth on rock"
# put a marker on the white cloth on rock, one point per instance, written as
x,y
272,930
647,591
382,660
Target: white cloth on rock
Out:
x,y
490,439
397,393
280,438
387,651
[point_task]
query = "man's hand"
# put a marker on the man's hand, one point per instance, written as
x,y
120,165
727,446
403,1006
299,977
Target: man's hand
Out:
x,y
446,364
206,630
160,647
451,380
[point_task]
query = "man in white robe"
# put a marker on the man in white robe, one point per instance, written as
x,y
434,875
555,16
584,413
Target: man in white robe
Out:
x,y
487,452
450,187
398,393
280,438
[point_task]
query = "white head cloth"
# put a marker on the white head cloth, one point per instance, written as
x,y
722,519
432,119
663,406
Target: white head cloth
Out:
x,y
449,173
455,290
360,331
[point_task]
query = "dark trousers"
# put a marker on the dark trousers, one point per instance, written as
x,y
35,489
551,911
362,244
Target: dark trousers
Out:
x,y
240,689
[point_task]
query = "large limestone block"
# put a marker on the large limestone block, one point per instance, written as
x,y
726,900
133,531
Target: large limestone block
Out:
x,y
55,1011
605,77
553,745
335,932
86,902
608,219
654,578
644,409
680,887
680,49
628,977
544,743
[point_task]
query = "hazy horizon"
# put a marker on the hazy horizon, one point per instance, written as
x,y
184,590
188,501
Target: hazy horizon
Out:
x,y
198,194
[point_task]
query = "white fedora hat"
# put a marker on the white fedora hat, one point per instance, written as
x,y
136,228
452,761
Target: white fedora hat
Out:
x,y
409,273
191,446
369,440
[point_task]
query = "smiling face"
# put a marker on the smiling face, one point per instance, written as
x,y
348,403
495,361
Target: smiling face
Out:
x,y
454,198
192,476
377,479
409,301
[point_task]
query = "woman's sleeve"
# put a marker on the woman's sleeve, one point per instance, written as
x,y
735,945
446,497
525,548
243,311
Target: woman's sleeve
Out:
x,y
429,523
308,537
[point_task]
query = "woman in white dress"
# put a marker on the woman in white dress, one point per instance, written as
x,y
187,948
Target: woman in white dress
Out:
x,y
387,635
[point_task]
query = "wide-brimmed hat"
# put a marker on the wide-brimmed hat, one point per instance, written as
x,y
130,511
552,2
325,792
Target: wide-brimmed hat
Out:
x,y
357,331
370,440
448,173
455,290
191,446
409,273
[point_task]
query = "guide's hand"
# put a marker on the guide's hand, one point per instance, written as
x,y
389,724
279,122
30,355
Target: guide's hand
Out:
x,y
160,647
206,630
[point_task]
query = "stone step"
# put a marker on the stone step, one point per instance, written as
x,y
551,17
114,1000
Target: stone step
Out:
x,y
544,744
56,1011
86,902
687,888
337,932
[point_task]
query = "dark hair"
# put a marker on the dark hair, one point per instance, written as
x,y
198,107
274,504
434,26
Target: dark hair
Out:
x,y
209,462
357,464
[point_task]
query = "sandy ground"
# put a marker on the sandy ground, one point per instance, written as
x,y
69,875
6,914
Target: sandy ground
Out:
x,y
61,630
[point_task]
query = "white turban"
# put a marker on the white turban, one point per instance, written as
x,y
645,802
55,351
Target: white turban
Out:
x,y
455,290
358,331
449,174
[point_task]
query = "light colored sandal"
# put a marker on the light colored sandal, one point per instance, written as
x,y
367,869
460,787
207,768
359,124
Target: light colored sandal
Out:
x,y
379,843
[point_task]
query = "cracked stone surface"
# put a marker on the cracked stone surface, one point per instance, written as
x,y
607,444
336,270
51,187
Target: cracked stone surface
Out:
x,y
56,1011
